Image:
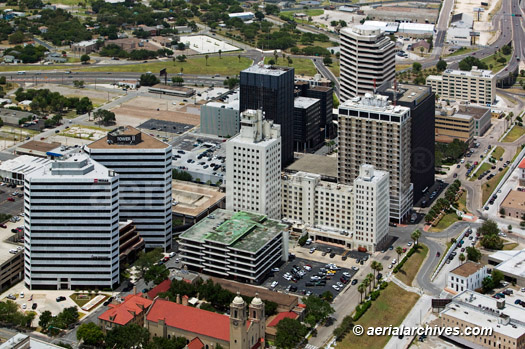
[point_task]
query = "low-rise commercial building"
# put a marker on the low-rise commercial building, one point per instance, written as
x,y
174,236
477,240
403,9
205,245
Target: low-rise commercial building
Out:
x,y
131,311
14,170
471,309
38,148
514,204
511,264
221,118
475,86
11,261
171,90
242,245
468,276
463,122
84,47
193,202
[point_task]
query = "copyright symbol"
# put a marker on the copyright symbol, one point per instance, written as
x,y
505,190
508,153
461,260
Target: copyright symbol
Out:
x,y
358,330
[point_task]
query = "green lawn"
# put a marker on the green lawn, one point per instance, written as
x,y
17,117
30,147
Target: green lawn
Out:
x,y
445,222
391,308
302,66
510,246
515,133
19,67
412,265
82,298
496,66
335,67
461,51
462,202
310,13
228,65
498,153
484,167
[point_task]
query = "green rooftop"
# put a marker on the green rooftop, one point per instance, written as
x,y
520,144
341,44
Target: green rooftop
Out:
x,y
240,230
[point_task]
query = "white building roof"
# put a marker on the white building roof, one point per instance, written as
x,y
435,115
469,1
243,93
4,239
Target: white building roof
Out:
x,y
86,43
416,28
503,255
514,265
24,164
304,102
241,14
390,27
77,170
482,311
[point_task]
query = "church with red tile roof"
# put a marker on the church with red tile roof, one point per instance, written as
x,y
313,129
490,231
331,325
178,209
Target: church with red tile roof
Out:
x,y
244,328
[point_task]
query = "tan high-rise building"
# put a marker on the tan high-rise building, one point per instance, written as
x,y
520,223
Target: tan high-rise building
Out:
x,y
372,131
367,58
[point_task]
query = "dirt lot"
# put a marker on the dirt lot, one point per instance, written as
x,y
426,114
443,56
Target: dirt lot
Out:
x,y
140,109
484,26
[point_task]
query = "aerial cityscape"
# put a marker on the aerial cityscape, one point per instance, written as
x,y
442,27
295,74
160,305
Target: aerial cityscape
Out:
x,y
214,174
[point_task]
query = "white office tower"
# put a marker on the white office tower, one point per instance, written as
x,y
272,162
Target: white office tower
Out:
x,y
71,225
367,59
371,207
253,166
144,165
372,131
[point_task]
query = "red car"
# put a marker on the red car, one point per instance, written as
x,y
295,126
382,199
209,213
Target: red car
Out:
x,y
438,254
10,199
165,259
3,226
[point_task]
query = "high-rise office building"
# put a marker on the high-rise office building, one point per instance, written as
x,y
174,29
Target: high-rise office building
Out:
x,y
72,225
144,165
307,124
271,89
422,102
372,131
253,166
367,60
325,96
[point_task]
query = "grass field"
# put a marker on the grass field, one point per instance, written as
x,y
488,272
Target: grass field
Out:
x,y
515,133
510,246
310,13
461,51
412,265
302,66
335,67
82,301
391,307
484,167
462,202
445,222
20,67
498,152
228,65
402,66
496,66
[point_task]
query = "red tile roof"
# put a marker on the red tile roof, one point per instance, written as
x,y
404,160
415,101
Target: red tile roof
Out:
x,y
195,344
160,288
123,313
522,163
190,319
280,316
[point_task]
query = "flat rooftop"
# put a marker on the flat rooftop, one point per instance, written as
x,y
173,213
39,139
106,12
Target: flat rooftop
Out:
x,y
312,163
266,70
23,164
515,265
78,166
377,103
408,93
515,199
193,199
39,146
239,230
475,112
304,102
453,116
473,73
148,142
481,310
466,269
171,88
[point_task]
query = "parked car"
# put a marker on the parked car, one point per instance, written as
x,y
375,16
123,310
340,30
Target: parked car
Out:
x,y
354,282
60,298
34,306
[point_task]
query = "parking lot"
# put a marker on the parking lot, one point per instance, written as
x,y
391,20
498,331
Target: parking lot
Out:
x,y
11,207
164,126
315,269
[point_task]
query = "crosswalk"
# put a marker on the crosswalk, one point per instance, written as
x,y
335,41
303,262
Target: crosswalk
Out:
x,y
309,346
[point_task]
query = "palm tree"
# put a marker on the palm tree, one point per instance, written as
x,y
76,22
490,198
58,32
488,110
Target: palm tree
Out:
x,y
239,56
206,59
415,236
370,278
366,283
284,56
181,70
461,257
220,54
361,289
399,251
379,267
373,266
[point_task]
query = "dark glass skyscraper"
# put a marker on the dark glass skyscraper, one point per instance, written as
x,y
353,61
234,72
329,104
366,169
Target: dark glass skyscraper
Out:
x,y
271,89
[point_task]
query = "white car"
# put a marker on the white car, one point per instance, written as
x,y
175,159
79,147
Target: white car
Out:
x,y
315,278
274,284
409,243
390,266
522,289
24,306
275,270
394,261
22,295
335,287
172,254
347,274
355,268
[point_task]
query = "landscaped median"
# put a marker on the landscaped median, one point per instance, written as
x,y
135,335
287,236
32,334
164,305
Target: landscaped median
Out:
x,y
391,307
407,269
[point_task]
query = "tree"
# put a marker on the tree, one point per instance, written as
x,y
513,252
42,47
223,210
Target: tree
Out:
x,y
376,267
148,80
467,63
399,251
506,50
156,273
327,296
3,80
497,277
17,37
220,54
415,236
416,66
84,59
78,83
127,337
177,80
361,289
231,82
290,333
146,260
271,62
259,15
104,116
366,283
462,257
421,49
45,318
289,59
181,58
327,60
90,334
370,278
165,343
441,65
317,308
473,254
206,56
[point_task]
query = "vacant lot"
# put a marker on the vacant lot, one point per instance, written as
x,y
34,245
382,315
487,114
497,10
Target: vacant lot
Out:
x,y
515,133
302,66
412,265
391,308
445,222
